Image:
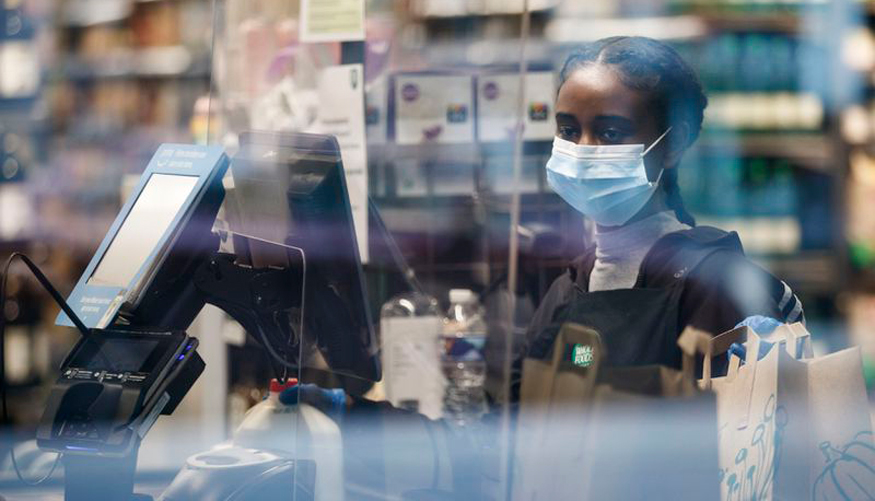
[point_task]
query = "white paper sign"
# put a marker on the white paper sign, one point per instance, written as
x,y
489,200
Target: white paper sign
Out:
x,y
332,20
342,114
434,108
412,363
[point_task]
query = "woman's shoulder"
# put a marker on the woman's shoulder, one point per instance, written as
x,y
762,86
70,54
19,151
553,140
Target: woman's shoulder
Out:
x,y
714,270
679,254
699,237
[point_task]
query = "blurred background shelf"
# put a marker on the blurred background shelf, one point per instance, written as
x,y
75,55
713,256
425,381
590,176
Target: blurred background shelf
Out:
x,y
810,150
170,62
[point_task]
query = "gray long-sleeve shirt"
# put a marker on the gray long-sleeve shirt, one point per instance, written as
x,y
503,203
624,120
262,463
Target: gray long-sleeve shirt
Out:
x,y
620,251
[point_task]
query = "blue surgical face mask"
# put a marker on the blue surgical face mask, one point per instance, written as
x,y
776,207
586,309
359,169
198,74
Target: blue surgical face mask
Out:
x,y
607,183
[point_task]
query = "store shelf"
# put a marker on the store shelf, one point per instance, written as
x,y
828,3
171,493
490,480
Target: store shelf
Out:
x,y
772,22
456,152
577,30
809,150
424,152
804,149
460,10
809,272
155,62
84,13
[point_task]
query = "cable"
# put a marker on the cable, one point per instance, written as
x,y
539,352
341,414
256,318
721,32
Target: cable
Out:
x,y
407,273
261,334
60,300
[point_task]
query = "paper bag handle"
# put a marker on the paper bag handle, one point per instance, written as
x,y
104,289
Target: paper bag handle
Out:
x,y
798,340
692,342
720,344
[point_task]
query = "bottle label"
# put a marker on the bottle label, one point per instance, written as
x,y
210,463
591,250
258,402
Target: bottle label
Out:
x,y
464,348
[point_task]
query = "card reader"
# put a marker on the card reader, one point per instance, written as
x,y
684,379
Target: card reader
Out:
x,y
113,386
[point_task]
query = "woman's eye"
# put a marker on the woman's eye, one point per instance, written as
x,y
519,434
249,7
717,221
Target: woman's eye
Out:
x,y
567,133
611,136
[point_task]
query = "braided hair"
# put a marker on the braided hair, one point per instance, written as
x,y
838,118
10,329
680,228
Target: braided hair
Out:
x,y
648,65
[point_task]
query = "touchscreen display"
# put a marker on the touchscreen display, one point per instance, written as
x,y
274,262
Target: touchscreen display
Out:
x,y
117,355
146,223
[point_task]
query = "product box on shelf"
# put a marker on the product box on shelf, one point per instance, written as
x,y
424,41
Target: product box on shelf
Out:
x,y
434,108
498,106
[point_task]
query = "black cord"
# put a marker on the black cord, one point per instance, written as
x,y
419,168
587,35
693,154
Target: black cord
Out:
x,y
57,297
283,362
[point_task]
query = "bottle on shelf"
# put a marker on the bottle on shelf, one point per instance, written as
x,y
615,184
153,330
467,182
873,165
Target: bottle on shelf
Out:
x,y
464,364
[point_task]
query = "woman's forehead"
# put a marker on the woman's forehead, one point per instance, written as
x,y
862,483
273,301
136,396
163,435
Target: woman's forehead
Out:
x,y
597,90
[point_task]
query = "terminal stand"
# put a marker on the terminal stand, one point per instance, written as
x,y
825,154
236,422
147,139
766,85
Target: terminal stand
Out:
x,y
259,299
88,477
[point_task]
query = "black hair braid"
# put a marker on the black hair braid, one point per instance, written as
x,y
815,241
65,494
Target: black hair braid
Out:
x,y
652,66
673,197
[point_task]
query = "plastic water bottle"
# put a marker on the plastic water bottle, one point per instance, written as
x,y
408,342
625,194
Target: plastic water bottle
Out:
x,y
410,332
464,364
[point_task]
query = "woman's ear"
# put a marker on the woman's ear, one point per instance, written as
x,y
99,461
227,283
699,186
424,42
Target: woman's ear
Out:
x,y
678,142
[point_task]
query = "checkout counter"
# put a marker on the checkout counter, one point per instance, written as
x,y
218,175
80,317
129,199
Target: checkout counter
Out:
x,y
295,284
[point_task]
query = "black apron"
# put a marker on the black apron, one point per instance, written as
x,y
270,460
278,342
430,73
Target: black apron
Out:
x,y
639,326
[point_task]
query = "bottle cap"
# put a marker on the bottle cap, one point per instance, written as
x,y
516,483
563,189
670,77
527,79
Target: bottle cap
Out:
x,y
276,387
463,296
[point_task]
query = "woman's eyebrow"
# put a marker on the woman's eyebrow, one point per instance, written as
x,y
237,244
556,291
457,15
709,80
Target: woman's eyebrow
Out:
x,y
566,117
617,118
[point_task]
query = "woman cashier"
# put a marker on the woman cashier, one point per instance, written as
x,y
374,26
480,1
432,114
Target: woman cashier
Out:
x,y
626,110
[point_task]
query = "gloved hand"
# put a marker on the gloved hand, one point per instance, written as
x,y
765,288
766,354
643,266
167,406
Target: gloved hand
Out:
x,y
330,401
761,325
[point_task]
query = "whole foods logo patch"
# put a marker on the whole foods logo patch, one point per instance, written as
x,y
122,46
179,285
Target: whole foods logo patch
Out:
x,y
582,355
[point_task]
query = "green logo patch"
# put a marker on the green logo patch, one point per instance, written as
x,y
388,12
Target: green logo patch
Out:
x,y
582,355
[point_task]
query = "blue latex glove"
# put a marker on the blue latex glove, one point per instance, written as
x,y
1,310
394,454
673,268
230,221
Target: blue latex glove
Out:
x,y
762,326
330,401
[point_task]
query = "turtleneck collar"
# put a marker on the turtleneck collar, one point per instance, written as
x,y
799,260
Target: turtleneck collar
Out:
x,y
620,243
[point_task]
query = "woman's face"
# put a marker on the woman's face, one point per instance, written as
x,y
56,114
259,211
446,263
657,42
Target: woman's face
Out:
x,y
594,107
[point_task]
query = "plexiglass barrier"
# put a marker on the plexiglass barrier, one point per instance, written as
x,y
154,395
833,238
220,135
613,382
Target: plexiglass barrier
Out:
x,y
420,195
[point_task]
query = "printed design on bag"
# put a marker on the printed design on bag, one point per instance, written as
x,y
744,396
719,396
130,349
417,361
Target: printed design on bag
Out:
x,y
849,471
582,355
752,475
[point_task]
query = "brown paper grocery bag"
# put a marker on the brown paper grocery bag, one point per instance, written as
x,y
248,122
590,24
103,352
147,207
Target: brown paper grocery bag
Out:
x,y
552,390
587,432
651,435
841,449
791,426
